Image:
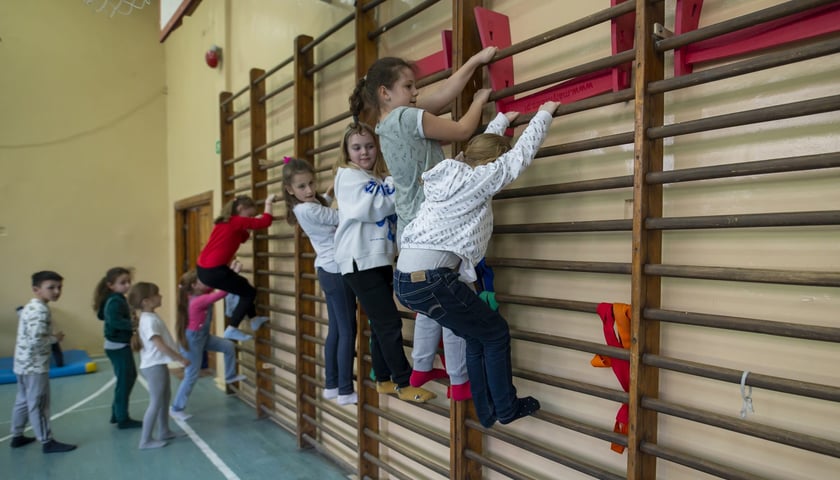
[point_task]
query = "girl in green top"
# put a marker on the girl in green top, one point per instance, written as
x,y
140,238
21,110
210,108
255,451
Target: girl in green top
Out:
x,y
110,305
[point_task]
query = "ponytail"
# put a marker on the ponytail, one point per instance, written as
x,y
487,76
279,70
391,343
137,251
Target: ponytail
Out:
x,y
364,101
139,291
182,316
103,288
357,101
136,343
232,207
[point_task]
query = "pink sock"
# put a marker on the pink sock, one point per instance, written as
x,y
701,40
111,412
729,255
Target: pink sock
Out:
x,y
460,392
418,378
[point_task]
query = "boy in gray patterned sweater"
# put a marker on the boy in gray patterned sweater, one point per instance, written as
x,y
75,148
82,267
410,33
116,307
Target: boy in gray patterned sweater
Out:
x,y
32,365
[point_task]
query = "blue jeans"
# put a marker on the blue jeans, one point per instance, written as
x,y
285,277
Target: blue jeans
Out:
x,y
340,345
198,341
439,295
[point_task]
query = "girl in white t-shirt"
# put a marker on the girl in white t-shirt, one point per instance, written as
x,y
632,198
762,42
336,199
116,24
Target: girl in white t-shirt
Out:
x,y
311,210
157,349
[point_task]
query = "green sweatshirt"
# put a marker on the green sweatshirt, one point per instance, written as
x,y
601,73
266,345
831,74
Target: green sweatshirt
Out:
x,y
117,316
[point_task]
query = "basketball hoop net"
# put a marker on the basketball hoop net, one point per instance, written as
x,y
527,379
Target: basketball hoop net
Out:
x,y
123,7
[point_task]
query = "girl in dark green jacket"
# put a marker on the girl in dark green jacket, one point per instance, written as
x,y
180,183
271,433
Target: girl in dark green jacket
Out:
x,y
110,305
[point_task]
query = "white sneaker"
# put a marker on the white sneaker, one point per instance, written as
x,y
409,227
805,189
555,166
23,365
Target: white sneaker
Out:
x,y
179,414
233,333
330,393
257,322
237,378
349,399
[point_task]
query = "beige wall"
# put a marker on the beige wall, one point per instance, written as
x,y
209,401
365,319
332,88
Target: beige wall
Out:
x,y
82,137
254,34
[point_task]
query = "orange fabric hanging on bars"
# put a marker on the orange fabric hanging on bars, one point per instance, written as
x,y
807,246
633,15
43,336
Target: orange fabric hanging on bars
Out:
x,y
616,321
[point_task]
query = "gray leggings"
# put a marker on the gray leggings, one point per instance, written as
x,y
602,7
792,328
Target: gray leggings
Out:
x,y
159,395
32,403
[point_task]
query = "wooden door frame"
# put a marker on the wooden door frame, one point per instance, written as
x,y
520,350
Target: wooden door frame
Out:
x,y
179,207
198,200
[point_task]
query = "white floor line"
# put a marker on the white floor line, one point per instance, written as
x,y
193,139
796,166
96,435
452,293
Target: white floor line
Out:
x,y
72,407
88,409
200,443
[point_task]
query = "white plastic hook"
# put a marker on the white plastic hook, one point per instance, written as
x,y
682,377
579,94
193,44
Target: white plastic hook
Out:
x,y
747,403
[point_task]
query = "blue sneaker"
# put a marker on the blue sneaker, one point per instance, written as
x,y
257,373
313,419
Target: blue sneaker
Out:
x,y
258,322
233,333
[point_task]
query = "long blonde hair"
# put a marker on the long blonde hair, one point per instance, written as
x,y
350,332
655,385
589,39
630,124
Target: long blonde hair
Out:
x,y
139,291
485,148
380,168
231,208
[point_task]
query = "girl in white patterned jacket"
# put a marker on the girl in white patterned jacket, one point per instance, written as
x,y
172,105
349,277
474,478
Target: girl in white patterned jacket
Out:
x,y
449,237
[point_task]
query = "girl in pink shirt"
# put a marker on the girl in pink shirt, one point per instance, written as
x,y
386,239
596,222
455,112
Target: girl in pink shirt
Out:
x,y
195,313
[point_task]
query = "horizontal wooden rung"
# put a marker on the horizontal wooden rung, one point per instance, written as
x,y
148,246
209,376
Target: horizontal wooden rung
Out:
x,y
786,277
745,427
767,327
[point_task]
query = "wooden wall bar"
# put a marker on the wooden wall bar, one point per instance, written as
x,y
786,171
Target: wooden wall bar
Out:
x,y
368,421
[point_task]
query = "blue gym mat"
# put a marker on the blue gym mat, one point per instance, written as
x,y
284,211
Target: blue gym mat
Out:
x,y
76,362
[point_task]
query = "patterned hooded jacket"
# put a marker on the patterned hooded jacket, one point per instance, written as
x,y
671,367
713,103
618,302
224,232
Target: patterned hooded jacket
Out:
x,y
457,215
34,338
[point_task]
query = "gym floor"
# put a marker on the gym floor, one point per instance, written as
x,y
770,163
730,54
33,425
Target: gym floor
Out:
x,y
224,439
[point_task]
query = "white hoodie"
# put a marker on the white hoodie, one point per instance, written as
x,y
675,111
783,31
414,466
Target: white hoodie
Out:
x,y
457,215
367,220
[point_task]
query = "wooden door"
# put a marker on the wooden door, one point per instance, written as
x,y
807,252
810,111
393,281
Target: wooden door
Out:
x,y
193,223
196,223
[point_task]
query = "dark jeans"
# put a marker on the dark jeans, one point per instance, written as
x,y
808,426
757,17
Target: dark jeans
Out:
x,y
376,295
125,370
341,336
439,295
223,278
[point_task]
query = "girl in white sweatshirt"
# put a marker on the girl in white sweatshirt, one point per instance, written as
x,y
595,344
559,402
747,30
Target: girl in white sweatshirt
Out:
x,y
365,246
449,237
